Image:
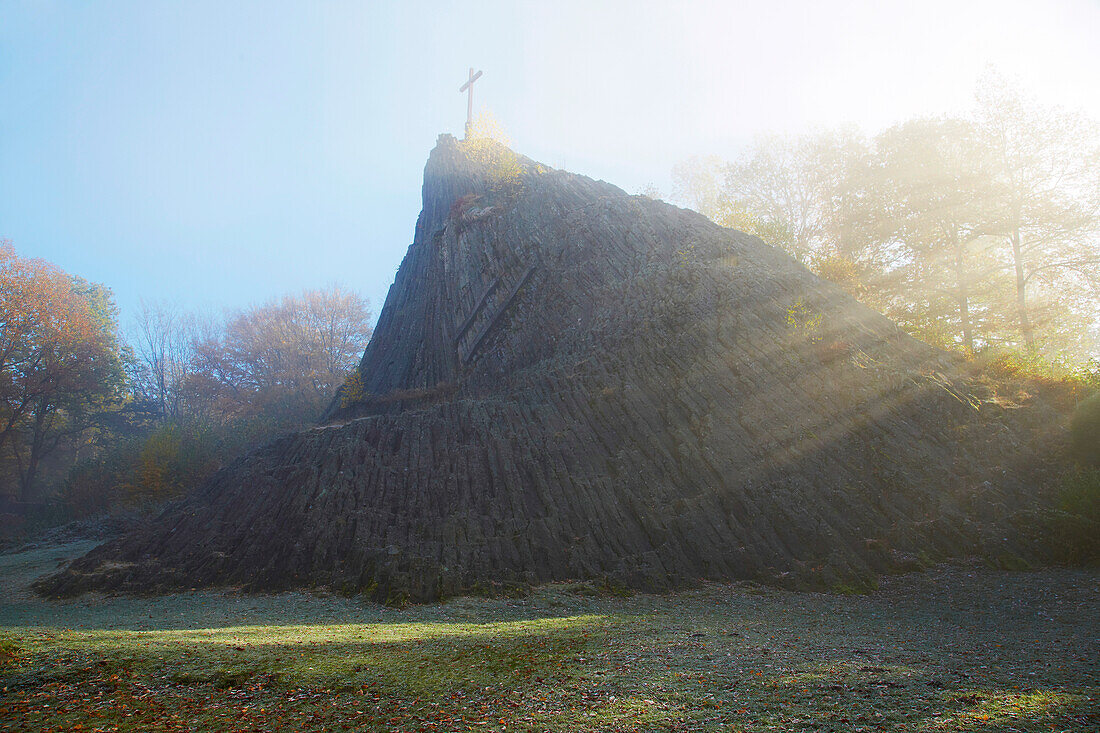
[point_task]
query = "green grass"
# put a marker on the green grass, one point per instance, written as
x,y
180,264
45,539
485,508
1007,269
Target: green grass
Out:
x,y
953,649
407,658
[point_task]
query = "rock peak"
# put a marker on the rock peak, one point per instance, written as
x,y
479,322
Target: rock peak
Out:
x,y
570,382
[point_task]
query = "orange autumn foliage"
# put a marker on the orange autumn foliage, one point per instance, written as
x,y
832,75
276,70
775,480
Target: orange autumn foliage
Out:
x,y
52,345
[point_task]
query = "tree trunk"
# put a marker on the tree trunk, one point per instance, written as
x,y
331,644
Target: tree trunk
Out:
x,y
1021,293
962,294
13,419
30,472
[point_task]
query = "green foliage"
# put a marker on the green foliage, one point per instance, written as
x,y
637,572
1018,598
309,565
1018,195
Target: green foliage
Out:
x,y
805,321
1074,531
1013,363
171,460
8,651
1085,433
162,464
853,588
971,232
1080,495
353,390
487,144
843,271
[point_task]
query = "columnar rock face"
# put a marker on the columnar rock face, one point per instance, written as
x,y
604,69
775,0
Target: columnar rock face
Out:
x,y
570,382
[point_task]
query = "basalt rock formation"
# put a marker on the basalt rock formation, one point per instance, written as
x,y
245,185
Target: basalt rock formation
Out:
x,y
568,382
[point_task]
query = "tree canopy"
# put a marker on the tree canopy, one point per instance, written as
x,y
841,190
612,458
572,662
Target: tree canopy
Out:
x,y
972,232
88,418
59,361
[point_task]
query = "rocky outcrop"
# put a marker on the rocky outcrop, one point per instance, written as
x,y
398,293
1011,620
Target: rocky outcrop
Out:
x,y
570,382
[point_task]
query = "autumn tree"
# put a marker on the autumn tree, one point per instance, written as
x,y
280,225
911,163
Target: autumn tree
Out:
x,y
283,359
783,190
1046,163
780,184
934,199
972,232
59,362
220,387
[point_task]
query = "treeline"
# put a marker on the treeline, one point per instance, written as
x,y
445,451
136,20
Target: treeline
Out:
x,y
978,233
91,420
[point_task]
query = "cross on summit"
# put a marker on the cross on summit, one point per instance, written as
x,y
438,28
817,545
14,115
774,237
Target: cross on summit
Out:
x,y
469,88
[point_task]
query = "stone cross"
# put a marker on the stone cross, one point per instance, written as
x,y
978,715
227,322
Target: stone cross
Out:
x,y
469,87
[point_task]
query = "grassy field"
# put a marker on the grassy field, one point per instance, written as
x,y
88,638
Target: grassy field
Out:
x,y
953,649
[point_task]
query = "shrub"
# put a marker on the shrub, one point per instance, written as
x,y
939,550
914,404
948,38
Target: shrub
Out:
x,y
162,464
353,390
1076,531
96,484
1080,495
805,320
486,144
1085,432
1016,375
174,459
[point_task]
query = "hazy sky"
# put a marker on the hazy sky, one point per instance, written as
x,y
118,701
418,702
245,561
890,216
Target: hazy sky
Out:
x,y
218,154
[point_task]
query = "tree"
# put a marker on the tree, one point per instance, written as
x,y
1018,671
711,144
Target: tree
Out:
x,y
970,232
164,335
59,363
777,190
935,198
1046,163
220,388
698,182
783,190
283,360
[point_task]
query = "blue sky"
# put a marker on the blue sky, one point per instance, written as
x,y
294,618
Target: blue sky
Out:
x,y
217,154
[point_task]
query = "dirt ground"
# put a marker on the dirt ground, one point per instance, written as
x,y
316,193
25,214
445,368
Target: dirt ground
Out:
x,y
956,648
